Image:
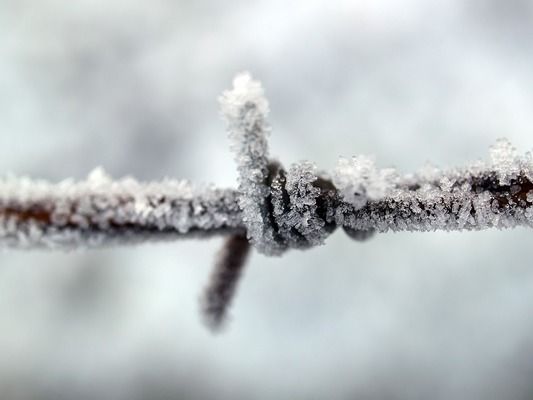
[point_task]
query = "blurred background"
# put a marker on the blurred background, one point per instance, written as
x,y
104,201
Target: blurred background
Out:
x,y
133,85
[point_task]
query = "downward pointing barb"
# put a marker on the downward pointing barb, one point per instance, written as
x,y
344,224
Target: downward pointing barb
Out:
x,y
221,288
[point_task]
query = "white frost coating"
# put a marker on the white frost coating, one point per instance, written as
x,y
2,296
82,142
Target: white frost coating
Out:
x,y
358,180
87,213
293,209
249,93
497,193
505,160
245,109
302,215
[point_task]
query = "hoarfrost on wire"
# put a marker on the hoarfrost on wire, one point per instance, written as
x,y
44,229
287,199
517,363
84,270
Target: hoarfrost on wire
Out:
x,y
99,210
302,215
358,180
277,209
495,193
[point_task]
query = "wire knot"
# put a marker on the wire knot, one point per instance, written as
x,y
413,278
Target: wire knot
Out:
x,y
280,209
300,207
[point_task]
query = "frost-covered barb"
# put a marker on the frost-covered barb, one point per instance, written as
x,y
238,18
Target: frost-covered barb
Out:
x,y
245,109
272,209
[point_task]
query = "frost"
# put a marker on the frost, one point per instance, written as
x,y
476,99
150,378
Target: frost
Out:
x,y
98,176
446,184
358,180
428,173
277,209
99,210
245,109
478,196
504,160
302,215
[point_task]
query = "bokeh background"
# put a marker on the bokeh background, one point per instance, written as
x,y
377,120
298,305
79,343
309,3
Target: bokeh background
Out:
x,y
133,85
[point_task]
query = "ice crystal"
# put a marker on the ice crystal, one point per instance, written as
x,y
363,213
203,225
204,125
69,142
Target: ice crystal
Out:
x,y
358,180
300,225
245,109
504,160
99,210
488,194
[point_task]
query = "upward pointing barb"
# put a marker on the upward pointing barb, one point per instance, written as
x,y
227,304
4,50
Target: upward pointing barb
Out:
x,y
245,109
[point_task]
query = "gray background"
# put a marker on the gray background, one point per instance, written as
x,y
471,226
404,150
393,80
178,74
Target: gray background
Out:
x,y
133,86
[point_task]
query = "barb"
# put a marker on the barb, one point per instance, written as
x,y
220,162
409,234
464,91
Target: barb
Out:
x,y
276,209
245,109
224,278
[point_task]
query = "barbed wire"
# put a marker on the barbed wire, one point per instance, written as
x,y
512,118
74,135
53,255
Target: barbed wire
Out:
x,y
273,209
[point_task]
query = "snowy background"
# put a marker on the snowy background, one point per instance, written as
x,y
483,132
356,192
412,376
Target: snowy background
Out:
x,y
133,86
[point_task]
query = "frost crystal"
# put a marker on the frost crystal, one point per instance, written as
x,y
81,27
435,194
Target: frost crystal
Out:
x,y
496,193
245,109
358,180
302,216
101,211
505,160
